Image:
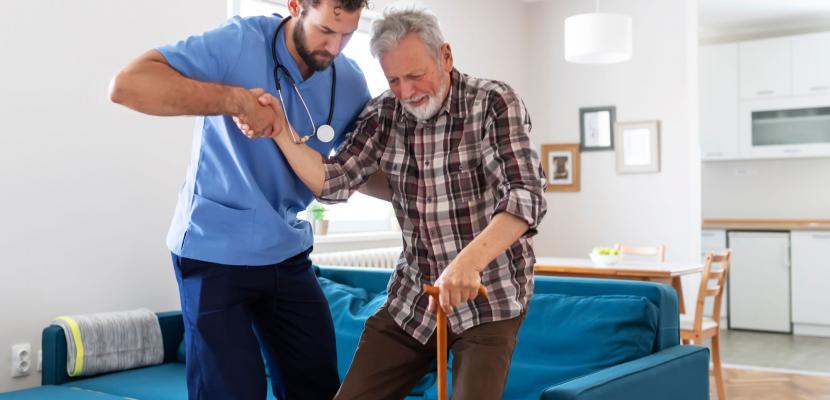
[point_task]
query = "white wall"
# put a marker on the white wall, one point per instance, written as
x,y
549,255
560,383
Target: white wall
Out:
x,y
660,82
767,189
88,187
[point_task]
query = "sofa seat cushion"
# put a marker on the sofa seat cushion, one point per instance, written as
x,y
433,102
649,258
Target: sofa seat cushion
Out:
x,y
52,392
564,337
350,308
161,382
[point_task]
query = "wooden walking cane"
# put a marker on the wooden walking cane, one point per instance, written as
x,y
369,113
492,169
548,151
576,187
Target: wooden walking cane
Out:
x,y
441,338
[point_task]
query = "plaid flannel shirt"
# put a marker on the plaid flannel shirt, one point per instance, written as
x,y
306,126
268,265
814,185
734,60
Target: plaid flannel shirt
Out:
x,y
449,176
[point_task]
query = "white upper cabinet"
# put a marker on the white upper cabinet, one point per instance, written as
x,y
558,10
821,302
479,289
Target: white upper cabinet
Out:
x,y
765,68
811,63
719,101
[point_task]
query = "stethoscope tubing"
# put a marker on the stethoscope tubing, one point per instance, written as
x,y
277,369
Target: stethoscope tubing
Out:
x,y
280,67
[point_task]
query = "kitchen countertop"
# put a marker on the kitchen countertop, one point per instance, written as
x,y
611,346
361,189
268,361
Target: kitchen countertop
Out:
x,y
768,224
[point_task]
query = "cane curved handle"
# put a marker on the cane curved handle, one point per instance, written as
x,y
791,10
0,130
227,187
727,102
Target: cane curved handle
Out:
x,y
434,291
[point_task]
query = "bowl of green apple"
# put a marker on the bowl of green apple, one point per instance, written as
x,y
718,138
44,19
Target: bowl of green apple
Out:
x,y
604,256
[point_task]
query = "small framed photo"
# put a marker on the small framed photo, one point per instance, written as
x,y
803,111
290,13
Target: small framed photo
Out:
x,y
638,147
561,165
596,125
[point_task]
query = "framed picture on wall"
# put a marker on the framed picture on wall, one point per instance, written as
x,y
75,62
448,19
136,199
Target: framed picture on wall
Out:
x,y
596,125
561,165
638,147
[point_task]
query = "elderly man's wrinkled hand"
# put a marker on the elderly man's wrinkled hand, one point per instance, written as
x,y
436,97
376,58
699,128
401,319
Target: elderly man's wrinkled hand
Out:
x,y
457,284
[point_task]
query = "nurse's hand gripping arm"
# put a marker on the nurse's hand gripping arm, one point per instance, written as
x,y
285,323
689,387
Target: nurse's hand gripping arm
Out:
x,y
306,162
354,167
151,86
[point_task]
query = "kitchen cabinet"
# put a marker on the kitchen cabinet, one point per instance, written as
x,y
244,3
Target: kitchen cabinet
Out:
x,y
765,99
718,71
765,68
759,281
811,63
810,280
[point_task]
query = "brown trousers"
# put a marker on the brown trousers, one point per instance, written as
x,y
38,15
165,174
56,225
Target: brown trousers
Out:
x,y
389,362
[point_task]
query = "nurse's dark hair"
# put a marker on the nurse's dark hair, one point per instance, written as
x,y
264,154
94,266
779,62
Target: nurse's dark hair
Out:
x,y
346,5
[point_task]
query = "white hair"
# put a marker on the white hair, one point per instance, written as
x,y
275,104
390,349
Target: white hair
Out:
x,y
395,24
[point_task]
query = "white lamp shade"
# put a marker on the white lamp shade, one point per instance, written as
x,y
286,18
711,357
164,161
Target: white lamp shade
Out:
x,y
598,38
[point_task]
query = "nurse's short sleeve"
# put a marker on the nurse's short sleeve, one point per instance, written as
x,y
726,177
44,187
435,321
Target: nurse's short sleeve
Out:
x,y
208,57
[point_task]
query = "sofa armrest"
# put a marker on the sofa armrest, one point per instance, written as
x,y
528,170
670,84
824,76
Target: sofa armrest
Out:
x,y
53,343
678,373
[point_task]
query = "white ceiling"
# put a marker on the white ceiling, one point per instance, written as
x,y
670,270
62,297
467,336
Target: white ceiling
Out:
x,y
742,19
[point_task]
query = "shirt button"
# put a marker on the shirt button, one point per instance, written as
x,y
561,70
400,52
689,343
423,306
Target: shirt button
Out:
x,y
426,163
429,198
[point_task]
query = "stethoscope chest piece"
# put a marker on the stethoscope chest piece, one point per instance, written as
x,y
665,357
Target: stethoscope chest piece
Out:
x,y
325,133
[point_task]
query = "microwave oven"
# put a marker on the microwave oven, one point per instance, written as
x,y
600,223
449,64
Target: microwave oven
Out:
x,y
785,127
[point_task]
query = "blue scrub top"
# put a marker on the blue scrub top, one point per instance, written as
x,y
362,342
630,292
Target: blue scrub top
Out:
x,y
239,202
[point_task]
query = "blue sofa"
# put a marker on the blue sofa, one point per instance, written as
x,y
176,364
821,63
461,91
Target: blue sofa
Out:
x,y
582,339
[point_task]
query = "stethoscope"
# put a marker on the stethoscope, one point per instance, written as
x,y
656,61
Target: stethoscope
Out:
x,y
325,133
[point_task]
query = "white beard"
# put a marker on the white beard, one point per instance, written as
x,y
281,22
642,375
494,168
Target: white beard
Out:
x,y
431,107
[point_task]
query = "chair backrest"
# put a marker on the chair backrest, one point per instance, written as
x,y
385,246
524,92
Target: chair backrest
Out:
x,y
712,281
658,252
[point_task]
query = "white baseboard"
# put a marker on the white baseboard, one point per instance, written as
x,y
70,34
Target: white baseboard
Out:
x,y
811,330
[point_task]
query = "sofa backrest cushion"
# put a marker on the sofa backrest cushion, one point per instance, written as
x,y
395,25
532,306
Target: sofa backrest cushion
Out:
x,y
565,337
350,308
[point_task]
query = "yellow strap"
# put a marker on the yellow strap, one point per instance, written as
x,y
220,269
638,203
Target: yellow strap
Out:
x,y
79,345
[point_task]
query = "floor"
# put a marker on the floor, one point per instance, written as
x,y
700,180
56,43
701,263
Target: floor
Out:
x,y
774,350
773,366
742,384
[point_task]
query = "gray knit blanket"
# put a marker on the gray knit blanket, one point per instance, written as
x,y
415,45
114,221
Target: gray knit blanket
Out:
x,y
111,341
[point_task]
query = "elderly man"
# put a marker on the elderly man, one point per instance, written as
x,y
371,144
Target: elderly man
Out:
x,y
467,189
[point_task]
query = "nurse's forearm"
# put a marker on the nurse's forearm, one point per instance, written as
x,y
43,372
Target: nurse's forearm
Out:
x,y
151,86
305,161
377,186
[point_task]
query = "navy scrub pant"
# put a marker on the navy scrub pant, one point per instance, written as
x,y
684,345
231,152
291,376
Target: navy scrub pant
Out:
x,y
231,312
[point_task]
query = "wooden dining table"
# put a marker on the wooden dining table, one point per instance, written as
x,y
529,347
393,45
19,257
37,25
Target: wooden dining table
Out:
x,y
661,272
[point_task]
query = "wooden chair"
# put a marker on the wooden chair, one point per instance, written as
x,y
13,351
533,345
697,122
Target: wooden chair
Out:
x,y
658,252
694,329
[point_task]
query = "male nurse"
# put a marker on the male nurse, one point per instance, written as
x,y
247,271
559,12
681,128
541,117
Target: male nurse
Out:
x,y
240,254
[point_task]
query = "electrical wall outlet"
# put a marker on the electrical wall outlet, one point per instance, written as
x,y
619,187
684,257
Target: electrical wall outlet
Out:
x,y
21,359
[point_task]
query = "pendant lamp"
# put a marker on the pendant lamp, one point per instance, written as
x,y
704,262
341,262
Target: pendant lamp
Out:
x,y
598,38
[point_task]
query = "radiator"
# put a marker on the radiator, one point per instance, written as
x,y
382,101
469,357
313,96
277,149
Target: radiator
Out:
x,y
383,257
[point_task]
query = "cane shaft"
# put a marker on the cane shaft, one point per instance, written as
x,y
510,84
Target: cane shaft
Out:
x,y
441,353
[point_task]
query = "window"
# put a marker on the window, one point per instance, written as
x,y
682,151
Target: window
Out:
x,y
362,213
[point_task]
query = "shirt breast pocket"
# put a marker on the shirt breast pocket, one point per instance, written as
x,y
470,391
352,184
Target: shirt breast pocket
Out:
x,y
402,179
465,170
